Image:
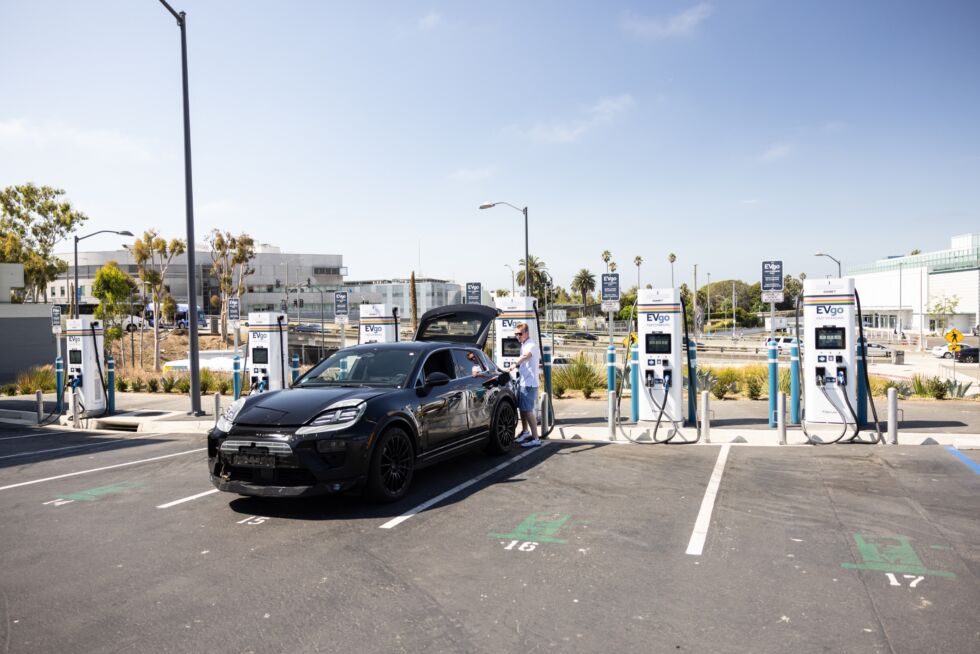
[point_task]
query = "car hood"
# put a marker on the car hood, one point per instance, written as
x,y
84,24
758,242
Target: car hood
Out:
x,y
297,406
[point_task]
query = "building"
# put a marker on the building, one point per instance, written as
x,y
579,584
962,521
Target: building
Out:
x,y
25,329
429,294
276,272
924,293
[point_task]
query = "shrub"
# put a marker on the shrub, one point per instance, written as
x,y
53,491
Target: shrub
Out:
x,y
783,381
706,379
224,386
753,387
578,374
183,385
938,388
153,384
167,383
588,390
880,386
138,384
206,383
9,389
557,390
958,389
36,378
122,385
727,383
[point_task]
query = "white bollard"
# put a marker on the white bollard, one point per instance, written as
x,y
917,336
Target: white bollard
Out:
x,y
893,416
705,418
40,407
74,408
781,417
217,408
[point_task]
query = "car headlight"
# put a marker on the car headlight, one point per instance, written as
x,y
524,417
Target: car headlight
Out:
x,y
337,416
227,419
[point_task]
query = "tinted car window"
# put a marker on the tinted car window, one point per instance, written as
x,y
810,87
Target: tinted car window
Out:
x,y
468,363
440,361
364,366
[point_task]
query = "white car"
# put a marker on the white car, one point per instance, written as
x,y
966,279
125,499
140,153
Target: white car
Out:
x,y
878,350
131,323
782,342
942,352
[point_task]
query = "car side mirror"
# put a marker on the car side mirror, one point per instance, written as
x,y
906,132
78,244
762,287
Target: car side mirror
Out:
x,y
431,381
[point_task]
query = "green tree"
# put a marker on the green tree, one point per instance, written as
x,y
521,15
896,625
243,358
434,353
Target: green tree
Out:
x,y
792,289
33,220
606,256
671,258
168,308
537,268
230,254
637,261
626,301
583,284
153,255
114,290
915,252
944,306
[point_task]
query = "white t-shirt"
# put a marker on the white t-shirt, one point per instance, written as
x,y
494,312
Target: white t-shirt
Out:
x,y
529,369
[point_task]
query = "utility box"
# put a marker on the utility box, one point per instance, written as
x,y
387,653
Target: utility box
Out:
x,y
268,351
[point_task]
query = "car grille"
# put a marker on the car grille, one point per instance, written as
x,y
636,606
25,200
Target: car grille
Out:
x,y
272,476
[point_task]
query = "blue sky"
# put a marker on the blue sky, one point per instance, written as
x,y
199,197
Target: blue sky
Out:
x,y
726,132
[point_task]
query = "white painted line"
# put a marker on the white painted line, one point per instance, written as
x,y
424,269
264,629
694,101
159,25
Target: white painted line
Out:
x,y
696,546
71,447
85,472
394,522
186,499
11,438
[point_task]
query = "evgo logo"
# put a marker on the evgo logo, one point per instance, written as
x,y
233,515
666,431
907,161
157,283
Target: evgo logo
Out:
x,y
829,310
659,318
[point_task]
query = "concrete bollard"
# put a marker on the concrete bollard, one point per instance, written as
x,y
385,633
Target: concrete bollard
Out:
x,y
40,407
74,408
705,418
217,408
893,416
781,417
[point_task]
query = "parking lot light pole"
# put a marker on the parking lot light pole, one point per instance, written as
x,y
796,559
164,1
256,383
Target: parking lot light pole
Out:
x,y
78,296
527,259
824,254
507,265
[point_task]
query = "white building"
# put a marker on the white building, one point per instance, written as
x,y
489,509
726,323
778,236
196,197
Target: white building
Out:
x,y
902,293
429,294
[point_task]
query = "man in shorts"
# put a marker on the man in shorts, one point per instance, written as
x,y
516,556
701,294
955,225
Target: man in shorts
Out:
x,y
527,386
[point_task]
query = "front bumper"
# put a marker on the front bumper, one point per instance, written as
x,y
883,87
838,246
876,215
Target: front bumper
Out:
x,y
298,469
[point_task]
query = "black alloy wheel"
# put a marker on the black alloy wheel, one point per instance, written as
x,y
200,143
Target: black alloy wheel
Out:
x,y
502,429
392,466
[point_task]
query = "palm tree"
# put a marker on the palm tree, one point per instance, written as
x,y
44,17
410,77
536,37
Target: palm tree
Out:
x,y
606,256
637,260
537,268
612,267
671,258
584,283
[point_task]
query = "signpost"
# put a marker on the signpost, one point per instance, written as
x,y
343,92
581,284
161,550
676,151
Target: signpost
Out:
x,y
234,317
474,292
954,337
340,315
56,326
610,304
772,289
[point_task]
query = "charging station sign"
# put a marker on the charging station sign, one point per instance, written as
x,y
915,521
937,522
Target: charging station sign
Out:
x,y
234,309
474,292
772,281
610,292
56,319
340,308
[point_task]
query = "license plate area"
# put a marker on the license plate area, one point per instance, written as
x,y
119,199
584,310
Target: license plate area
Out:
x,y
253,460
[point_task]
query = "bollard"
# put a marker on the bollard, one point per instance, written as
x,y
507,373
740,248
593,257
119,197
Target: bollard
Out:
x,y
773,382
781,417
893,416
794,382
611,387
217,408
862,389
40,407
236,376
59,380
635,383
692,380
74,407
294,368
110,391
547,409
705,418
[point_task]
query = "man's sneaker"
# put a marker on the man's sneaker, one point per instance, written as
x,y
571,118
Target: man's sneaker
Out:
x,y
523,436
532,442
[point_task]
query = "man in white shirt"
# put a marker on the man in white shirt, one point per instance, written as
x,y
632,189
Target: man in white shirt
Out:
x,y
527,387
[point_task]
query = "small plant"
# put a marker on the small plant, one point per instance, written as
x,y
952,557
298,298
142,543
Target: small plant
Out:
x,y
224,386
36,378
558,390
578,374
958,389
9,389
784,382
167,383
121,384
153,384
588,390
206,384
727,383
938,388
183,385
706,379
753,387
920,386
138,385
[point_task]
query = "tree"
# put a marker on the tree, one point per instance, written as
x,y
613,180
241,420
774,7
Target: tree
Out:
x,y
153,255
32,221
606,256
227,252
627,299
612,267
915,252
537,269
944,306
169,309
637,261
114,289
792,289
671,258
583,284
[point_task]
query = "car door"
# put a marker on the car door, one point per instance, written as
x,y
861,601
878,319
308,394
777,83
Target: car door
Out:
x,y
442,411
476,379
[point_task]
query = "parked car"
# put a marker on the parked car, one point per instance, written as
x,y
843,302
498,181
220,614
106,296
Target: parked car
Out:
x,y
879,350
370,415
967,354
942,351
131,323
561,362
782,342
307,328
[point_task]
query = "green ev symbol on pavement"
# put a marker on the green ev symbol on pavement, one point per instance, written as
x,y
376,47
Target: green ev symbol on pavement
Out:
x,y
538,527
890,554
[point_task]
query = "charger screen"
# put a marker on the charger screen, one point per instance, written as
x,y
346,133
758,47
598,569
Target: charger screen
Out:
x,y
74,356
260,355
658,343
511,347
830,338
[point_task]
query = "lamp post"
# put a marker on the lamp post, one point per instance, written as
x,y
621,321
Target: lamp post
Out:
x,y
708,291
507,265
824,254
309,285
78,296
189,200
527,259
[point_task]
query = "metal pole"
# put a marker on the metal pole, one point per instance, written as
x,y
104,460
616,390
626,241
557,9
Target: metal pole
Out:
x,y
75,290
217,408
40,406
635,383
611,381
893,416
695,316
899,321
773,381
527,261
921,317
781,417
708,291
705,418
321,322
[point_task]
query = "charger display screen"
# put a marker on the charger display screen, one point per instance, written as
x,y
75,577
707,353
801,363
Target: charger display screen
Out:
x,y
74,356
510,347
658,343
830,338
260,355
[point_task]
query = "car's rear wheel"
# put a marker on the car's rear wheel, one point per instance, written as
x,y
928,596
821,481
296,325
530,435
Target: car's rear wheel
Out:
x,y
502,429
392,466
947,355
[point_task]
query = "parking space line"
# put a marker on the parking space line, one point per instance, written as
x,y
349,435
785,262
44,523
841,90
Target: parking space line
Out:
x,y
394,522
970,463
70,447
85,472
187,499
50,433
700,534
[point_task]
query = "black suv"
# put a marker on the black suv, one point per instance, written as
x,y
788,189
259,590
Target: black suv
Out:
x,y
368,416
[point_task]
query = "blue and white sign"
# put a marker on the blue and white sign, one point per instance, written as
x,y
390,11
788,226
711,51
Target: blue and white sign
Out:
x,y
234,310
340,308
56,319
474,292
610,292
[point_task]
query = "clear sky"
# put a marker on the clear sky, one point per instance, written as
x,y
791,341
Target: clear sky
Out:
x,y
726,132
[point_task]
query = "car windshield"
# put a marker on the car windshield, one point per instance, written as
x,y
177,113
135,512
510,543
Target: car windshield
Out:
x,y
375,366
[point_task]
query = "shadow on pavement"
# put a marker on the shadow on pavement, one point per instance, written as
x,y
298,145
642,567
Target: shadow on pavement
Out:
x,y
65,444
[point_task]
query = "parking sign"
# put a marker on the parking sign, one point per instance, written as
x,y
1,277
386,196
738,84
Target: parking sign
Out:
x,y
474,292
234,309
610,292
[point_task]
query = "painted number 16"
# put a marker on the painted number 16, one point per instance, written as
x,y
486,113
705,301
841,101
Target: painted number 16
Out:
x,y
526,546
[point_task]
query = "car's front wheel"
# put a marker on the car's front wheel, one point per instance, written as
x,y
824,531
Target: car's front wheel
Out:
x,y
502,429
947,355
392,466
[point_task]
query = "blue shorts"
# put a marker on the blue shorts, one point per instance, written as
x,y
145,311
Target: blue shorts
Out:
x,y
527,397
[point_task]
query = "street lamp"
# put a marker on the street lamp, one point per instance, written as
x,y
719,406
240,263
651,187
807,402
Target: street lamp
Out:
x,y
708,291
78,296
824,254
189,199
507,265
527,259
